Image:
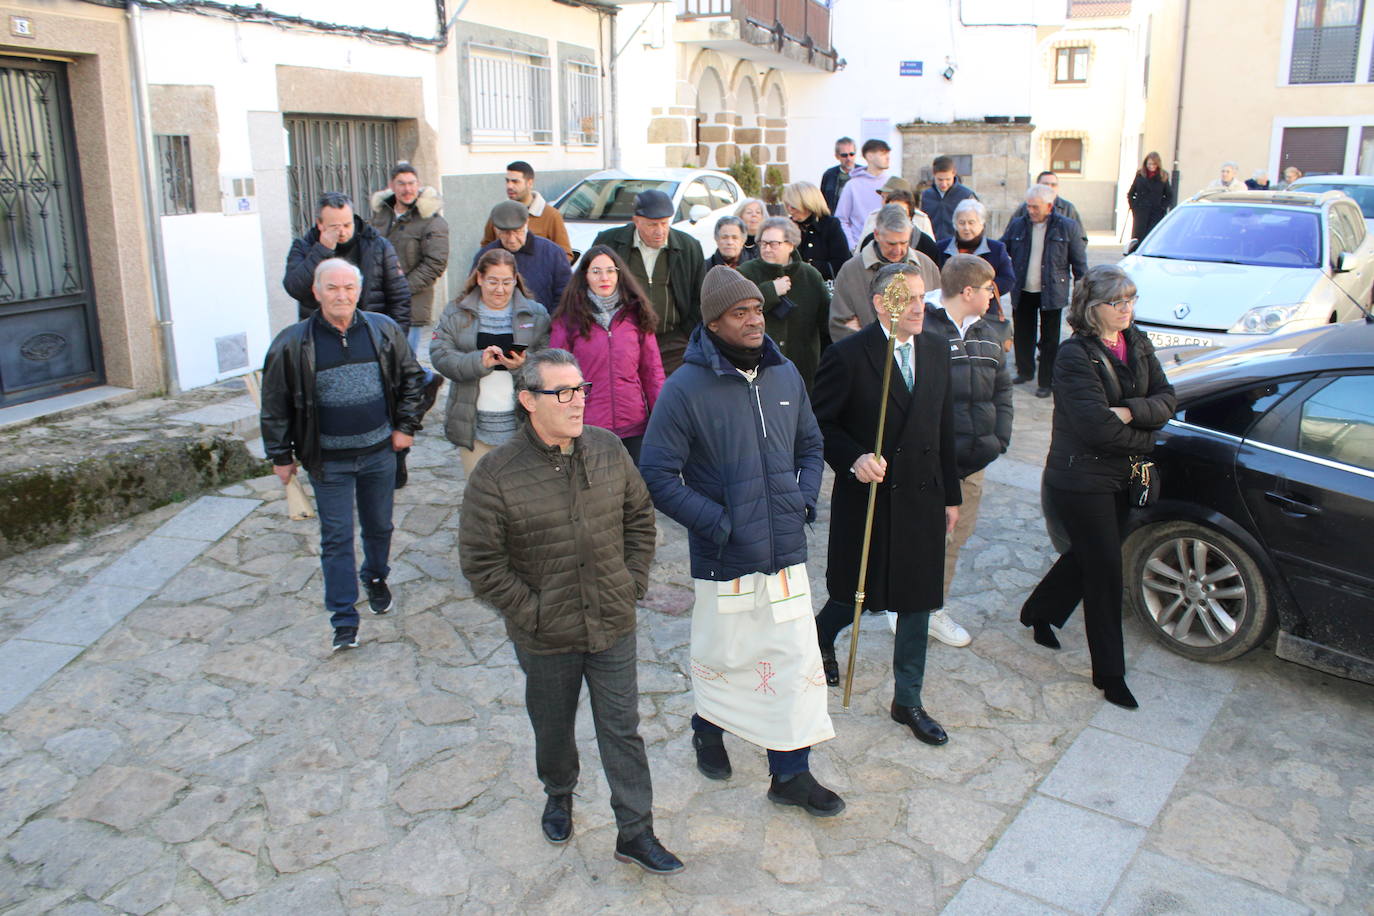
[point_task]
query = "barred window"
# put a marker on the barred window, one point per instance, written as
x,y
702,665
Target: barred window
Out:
x,y
581,103
1326,41
177,195
511,97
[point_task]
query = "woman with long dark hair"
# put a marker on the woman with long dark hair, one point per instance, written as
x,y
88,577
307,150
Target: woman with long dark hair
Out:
x,y
1110,396
1150,197
480,339
606,321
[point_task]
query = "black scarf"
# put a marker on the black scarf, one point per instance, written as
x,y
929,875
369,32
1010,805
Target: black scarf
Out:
x,y
746,358
970,246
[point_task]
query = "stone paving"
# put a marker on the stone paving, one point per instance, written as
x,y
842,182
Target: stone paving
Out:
x,y
205,753
177,738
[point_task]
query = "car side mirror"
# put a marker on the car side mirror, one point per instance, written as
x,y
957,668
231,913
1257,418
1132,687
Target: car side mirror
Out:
x,y
698,213
1346,262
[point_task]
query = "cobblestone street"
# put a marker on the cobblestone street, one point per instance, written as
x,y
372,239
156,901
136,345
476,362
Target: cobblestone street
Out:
x,y
178,738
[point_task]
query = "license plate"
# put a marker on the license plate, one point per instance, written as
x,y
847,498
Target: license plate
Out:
x,y
1160,339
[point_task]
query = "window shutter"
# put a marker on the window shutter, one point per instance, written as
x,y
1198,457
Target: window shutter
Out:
x,y
1315,150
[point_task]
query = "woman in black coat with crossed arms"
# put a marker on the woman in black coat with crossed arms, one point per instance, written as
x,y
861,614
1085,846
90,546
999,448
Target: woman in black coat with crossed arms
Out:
x,y
1110,396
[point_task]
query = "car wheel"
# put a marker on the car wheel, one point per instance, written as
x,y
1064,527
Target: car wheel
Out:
x,y
1199,592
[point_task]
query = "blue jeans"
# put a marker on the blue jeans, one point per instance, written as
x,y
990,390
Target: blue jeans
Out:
x,y
413,338
370,480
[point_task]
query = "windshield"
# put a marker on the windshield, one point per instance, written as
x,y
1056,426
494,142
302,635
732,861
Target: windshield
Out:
x,y
611,199
1361,194
1262,236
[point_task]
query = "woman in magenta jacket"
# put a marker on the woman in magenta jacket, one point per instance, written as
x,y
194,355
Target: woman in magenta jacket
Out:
x,y
606,321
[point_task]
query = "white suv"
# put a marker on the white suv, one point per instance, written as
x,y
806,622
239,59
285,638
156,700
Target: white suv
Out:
x,y
1231,266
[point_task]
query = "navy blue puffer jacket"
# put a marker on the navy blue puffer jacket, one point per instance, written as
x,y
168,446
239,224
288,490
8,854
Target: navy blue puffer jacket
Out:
x,y
737,463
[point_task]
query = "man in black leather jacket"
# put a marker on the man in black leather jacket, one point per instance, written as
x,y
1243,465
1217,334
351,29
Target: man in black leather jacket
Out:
x,y
341,394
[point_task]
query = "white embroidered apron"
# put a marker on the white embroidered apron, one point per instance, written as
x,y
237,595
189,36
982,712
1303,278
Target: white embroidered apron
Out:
x,y
756,667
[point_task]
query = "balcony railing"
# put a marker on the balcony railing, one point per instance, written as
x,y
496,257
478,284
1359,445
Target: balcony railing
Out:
x,y
806,22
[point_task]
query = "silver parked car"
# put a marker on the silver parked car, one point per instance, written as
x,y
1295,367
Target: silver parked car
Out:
x,y
1228,267
1359,188
606,199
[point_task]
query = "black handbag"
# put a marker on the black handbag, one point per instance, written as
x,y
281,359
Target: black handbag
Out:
x,y
1143,487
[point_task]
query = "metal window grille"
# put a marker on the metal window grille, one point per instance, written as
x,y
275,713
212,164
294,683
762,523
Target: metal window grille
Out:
x,y
174,166
581,103
351,155
1326,41
511,96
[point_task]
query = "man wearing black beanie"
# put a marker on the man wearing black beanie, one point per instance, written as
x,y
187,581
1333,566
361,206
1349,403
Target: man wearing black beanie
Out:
x,y
733,453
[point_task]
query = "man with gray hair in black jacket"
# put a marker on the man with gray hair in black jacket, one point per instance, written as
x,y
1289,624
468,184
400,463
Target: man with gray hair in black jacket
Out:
x,y
341,395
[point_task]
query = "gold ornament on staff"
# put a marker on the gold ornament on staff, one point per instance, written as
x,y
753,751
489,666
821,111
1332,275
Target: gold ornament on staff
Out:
x,y
896,299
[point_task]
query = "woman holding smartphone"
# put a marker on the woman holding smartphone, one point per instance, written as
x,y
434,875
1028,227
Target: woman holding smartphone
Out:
x,y
606,321
480,339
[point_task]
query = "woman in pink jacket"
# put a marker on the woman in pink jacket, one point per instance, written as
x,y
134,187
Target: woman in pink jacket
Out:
x,y
606,321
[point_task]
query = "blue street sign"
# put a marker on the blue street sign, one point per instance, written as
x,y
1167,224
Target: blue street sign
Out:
x,y
910,67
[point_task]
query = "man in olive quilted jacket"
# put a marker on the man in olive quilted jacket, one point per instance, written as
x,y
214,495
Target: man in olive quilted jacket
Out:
x,y
557,534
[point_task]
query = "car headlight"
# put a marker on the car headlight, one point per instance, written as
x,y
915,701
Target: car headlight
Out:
x,y
1266,319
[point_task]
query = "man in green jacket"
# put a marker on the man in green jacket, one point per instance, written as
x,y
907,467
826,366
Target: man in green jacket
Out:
x,y
668,264
557,534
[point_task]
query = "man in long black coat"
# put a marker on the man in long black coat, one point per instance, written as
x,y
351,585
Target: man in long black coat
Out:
x,y
918,492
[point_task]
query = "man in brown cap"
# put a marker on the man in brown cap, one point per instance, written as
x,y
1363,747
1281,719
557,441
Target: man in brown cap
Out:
x,y
542,264
733,453
668,263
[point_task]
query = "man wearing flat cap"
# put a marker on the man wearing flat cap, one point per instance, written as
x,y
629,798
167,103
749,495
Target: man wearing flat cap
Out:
x,y
734,455
542,264
669,264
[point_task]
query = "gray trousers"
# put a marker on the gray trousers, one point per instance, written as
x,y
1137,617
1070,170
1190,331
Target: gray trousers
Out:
x,y
553,684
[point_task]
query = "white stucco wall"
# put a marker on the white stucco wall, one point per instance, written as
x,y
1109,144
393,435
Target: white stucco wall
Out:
x,y
875,36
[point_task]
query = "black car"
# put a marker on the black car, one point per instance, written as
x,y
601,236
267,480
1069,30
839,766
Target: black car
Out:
x,y
1266,517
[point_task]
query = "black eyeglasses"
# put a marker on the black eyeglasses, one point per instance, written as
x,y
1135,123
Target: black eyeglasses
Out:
x,y
846,155
565,395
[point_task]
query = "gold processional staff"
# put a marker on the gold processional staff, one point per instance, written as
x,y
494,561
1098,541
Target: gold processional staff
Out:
x,y
896,299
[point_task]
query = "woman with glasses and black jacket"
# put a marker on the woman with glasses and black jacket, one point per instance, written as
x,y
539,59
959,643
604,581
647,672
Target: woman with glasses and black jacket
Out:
x,y
1110,396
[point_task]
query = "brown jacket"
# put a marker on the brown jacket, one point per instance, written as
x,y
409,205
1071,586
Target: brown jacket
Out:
x,y
420,238
851,299
545,221
559,544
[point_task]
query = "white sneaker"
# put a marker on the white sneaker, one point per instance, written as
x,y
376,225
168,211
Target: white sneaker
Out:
x,y
891,620
943,628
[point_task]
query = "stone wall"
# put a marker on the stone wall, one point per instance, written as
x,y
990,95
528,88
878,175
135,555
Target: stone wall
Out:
x,y
1000,154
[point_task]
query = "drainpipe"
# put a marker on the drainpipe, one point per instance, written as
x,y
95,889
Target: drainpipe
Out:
x,y
143,128
1178,115
615,99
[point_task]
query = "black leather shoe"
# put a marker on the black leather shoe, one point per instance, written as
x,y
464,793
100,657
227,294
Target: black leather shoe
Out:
x,y
1043,392
1022,379
648,853
830,666
803,791
712,760
557,820
922,725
